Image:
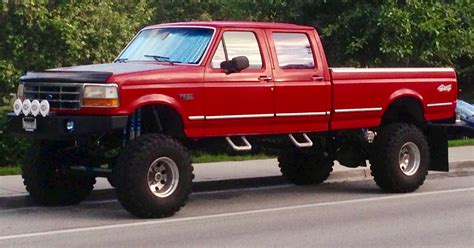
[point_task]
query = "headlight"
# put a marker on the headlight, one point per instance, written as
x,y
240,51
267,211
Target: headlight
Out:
x,y
19,92
100,96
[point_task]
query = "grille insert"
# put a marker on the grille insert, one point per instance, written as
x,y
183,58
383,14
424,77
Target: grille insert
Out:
x,y
59,96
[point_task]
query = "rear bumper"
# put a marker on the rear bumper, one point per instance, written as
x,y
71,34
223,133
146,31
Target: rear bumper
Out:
x,y
54,126
456,129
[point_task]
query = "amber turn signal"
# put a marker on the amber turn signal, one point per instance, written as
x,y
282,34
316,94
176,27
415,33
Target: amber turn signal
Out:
x,y
100,102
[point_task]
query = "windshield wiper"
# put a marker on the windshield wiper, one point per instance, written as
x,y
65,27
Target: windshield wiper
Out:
x,y
121,60
161,58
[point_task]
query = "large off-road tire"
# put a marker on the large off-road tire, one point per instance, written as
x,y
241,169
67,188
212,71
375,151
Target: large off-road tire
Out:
x,y
153,176
46,179
401,158
304,167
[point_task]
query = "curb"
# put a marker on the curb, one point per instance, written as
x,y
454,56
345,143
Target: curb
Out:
x,y
365,173
20,201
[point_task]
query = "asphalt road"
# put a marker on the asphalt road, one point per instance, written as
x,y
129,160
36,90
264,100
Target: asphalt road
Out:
x,y
338,214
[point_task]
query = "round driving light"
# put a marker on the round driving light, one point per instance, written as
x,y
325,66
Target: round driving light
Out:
x,y
17,105
26,108
44,108
70,125
35,107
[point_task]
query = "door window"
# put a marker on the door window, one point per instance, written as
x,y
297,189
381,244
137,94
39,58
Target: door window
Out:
x,y
293,51
237,43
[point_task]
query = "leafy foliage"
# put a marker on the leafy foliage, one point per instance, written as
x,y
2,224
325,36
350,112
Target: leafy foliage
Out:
x,y
44,34
40,34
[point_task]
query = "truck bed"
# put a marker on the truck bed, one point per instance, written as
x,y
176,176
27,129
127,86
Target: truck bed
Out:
x,y
361,96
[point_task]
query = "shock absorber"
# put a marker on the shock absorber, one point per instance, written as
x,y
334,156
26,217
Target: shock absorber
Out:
x,y
131,132
138,123
135,128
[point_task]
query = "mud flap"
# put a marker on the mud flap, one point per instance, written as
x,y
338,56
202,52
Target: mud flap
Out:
x,y
438,142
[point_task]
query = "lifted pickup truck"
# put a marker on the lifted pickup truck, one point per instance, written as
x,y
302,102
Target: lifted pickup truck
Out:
x,y
242,82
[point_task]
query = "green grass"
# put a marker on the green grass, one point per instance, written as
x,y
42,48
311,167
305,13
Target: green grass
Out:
x,y
197,158
10,170
461,142
209,158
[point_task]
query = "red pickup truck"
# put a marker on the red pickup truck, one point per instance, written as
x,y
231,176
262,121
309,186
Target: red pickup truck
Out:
x,y
243,82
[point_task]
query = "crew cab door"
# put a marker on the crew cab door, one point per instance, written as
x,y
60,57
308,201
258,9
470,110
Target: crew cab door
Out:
x,y
302,89
240,102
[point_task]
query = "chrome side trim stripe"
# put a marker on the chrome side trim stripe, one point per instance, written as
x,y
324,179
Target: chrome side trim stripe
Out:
x,y
222,117
302,114
196,118
439,104
358,110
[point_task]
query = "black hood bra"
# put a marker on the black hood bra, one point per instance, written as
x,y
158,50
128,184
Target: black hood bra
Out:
x,y
96,73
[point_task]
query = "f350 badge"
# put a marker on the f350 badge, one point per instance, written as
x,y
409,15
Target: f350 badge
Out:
x,y
445,88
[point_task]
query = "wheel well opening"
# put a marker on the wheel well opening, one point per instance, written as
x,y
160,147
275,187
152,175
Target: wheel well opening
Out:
x,y
161,119
405,109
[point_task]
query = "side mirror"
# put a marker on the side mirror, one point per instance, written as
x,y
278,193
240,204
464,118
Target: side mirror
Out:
x,y
235,65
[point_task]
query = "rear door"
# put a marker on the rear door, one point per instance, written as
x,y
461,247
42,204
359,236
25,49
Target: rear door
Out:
x,y
302,91
241,102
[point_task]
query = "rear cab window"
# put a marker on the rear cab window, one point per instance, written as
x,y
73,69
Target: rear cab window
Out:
x,y
293,51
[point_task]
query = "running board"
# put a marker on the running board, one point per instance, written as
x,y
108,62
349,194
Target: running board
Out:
x,y
246,147
307,143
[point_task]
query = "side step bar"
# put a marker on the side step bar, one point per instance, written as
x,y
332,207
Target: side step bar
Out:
x,y
307,142
246,147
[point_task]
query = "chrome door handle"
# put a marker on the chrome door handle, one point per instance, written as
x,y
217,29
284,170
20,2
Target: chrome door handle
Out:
x,y
265,78
317,78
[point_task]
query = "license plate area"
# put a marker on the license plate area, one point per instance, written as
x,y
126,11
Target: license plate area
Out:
x,y
29,124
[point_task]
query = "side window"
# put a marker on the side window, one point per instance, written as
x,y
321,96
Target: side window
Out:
x,y
236,43
293,51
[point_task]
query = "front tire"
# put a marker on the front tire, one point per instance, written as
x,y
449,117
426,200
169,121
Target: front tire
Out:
x,y
153,176
401,158
47,181
305,167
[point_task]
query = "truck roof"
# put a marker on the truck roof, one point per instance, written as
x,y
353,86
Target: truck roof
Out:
x,y
239,24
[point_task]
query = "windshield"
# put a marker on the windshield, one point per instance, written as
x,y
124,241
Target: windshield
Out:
x,y
176,45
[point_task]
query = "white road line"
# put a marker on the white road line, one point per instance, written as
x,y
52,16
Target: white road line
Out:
x,y
231,214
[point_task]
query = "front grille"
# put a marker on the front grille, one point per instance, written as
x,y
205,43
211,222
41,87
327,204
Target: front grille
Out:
x,y
59,96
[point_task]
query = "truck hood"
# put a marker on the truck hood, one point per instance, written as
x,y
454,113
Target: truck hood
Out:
x,y
96,73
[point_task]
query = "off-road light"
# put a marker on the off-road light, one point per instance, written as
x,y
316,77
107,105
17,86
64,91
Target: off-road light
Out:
x,y
26,108
100,96
35,107
44,108
70,126
17,105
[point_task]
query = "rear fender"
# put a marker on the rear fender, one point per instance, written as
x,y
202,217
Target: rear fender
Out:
x,y
408,93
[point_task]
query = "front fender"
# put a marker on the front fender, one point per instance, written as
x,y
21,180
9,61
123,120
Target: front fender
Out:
x,y
156,99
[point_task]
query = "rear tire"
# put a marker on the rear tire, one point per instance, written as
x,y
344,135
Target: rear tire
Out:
x,y
303,167
153,176
47,181
401,158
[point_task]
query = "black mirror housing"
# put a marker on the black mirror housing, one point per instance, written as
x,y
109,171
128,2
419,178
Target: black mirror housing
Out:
x,y
235,64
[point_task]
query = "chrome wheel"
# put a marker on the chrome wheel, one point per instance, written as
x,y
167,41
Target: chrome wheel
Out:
x,y
163,177
409,158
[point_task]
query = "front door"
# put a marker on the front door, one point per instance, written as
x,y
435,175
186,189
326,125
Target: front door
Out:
x,y
241,102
